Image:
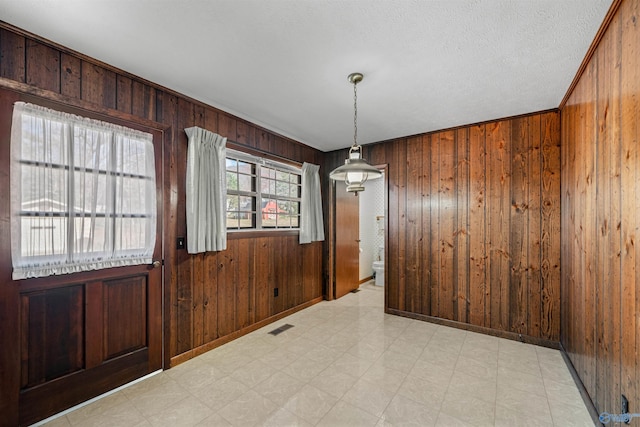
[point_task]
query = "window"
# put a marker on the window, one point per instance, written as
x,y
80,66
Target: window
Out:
x,y
261,194
82,194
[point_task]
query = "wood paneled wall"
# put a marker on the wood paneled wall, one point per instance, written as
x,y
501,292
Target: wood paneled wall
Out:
x,y
474,225
600,221
210,298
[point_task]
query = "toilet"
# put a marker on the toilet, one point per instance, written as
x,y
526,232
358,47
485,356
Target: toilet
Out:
x,y
378,267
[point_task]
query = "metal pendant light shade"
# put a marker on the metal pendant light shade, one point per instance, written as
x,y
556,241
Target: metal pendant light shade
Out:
x,y
355,171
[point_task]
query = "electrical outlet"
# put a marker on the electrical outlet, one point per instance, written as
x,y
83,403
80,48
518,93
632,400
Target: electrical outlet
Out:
x,y
180,243
275,292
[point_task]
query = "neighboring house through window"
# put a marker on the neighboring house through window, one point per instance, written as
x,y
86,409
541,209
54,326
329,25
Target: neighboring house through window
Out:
x,y
261,194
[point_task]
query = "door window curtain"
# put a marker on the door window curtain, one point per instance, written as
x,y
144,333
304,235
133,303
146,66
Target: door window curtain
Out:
x,y
206,192
311,222
83,194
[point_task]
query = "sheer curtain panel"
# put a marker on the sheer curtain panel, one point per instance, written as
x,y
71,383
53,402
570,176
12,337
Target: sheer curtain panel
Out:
x,y
83,194
311,222
206,192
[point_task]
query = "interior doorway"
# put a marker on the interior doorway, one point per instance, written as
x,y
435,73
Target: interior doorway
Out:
x,y
347,255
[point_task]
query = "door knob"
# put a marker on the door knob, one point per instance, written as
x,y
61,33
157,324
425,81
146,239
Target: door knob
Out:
x,y
156,264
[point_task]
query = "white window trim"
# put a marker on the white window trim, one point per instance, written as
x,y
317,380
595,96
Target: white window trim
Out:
x,y
261,161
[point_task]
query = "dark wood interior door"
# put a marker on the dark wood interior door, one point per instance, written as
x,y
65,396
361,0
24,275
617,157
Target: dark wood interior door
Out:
x,y
347,254
75,336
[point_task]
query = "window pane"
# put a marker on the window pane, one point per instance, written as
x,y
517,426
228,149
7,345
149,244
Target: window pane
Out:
x,y
268,172
232,202
130,233
282,188
90,192
295,221
246,219
43,141
294,190
131,156
244,167
282,176
245,183
43,236
91,234
91,148
246,203
232,181
232,164
43,189
232,220
131,195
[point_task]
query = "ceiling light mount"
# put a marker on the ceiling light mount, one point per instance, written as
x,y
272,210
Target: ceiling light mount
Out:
x,y
355,171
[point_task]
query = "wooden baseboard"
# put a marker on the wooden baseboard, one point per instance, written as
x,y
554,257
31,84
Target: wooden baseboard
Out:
x,y
365,280
480,329
593,411
190,354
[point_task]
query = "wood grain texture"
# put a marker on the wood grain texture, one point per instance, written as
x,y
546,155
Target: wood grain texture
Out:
x,y
208,298
487,249
600,164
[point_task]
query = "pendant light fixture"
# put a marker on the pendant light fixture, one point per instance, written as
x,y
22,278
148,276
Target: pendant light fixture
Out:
x,y
355,171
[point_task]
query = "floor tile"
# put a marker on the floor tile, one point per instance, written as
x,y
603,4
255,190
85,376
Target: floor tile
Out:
x,y
347,363
344,414
311,404
406,412
250,409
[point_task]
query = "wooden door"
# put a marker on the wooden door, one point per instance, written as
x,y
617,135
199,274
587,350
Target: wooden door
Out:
x,y
347,240
78,335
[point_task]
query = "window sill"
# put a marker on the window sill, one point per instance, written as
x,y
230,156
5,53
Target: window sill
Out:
x,y
252,234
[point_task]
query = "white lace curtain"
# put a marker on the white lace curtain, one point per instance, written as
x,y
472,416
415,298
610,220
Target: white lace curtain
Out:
x,y
311,221
206,192
83,194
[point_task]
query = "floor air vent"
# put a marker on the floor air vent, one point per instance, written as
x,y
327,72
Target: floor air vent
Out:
x,y
355,290
281,329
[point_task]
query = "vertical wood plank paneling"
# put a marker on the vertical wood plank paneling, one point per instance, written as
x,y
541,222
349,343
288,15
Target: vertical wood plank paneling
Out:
x,y
630,201
393,290
124,94
70,76
434,225
461,250
519,242
499,197
184,262
402,218
413,265
12,56
602,220
264,277
210,297
600,173
478,287
425,244
446,225
43,66
551,219
227,280
98,85
534,174
243,283
143,100
613,246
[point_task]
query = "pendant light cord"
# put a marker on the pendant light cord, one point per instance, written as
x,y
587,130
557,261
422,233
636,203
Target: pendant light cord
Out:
x,y
355,114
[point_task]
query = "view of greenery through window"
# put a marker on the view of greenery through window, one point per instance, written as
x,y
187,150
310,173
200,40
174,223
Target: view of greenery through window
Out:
x,y
261,196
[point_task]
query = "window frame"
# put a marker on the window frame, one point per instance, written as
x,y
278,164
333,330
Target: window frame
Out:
x,y
71,260
258,164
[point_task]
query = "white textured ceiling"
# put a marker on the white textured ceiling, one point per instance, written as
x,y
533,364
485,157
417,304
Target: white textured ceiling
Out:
x,y
283,64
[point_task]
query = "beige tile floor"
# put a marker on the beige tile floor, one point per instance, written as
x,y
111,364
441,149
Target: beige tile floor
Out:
x,y
346,363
